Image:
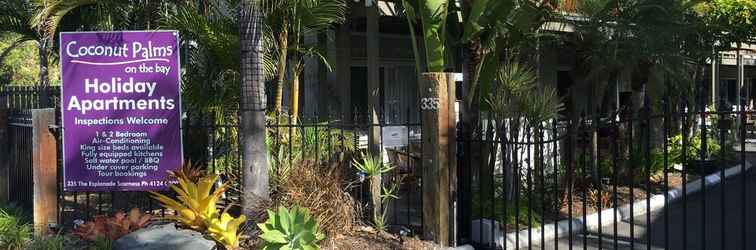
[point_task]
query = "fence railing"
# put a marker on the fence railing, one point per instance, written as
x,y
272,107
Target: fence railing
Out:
x,y
674,178
212,142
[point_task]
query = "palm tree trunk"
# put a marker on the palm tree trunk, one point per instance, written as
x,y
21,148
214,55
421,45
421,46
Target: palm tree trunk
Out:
x,y
43,63
254,159
283,45
295,75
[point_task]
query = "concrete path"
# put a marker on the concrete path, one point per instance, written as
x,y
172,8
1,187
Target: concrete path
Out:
x,y
689,229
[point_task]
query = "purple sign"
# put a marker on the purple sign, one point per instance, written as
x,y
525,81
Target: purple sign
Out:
x,y
121,109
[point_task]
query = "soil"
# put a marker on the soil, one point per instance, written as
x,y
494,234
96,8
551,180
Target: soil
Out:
x,y
362,239
378,241
591,203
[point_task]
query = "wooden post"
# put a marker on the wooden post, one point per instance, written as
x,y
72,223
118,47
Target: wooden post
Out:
x,y
45,169
437,97
4,151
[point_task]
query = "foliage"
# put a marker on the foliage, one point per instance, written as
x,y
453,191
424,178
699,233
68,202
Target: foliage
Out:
x,y
16,57
225,230
197,202
290,21
322,189
518,97
293,229
289,145
197,206
15,230
734,21
488,208
371,165
112,228
388,194
693,148
433,14
103,243
54,242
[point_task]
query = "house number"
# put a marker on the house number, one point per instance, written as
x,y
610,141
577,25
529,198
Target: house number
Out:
x,y
429,103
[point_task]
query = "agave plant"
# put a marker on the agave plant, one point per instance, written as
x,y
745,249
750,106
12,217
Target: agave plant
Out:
x,y
293,229
371,166
225,229
196,204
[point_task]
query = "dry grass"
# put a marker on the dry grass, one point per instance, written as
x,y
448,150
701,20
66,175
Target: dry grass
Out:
x,y
322,190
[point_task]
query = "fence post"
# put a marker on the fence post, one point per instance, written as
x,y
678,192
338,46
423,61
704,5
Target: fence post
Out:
x,y
4,149
44,170
437,98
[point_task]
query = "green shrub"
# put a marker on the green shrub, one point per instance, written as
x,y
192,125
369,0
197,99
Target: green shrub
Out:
x,y
102,243
293,229
15,230
55,242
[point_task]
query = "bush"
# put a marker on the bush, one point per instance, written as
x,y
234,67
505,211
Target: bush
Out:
x,y
55,242
293,229
321,189
15,228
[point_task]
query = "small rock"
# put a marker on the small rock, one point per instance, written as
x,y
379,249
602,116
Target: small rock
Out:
x,y
163,237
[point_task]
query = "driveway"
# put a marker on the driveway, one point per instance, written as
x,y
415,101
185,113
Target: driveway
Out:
x,y
693,229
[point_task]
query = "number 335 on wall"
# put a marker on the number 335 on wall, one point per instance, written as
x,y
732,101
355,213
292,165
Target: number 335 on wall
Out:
x,y
429,103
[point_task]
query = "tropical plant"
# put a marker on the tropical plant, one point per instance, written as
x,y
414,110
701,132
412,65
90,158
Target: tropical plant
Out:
x,y
197,202
112,228
15,230
293,229
225,230
54,242
103,243
372,168
291,21
388,194
15,17
519,107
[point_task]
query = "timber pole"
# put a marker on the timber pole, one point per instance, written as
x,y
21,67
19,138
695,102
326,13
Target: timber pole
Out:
x,y
437,99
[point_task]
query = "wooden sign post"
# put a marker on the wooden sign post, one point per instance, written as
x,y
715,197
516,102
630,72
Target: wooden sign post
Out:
x,y
45,172
437,98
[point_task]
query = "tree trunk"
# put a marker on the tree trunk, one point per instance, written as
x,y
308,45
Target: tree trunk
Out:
x,y
254,159
375,197
44,79
283,44
296,72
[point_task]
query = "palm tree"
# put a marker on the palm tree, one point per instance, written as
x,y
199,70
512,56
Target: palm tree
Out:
x,y
291,20
15,17
253,102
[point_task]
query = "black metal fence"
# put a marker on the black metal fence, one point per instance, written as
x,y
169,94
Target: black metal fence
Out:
x,y
669,175
211,140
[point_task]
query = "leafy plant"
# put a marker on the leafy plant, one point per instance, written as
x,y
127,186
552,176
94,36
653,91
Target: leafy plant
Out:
x,y
54,242
293,229
225,230
15,230
112,228
102,243
371,166
388,194
196,204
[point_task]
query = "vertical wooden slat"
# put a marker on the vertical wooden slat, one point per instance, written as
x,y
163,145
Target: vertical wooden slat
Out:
x,y
44,170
